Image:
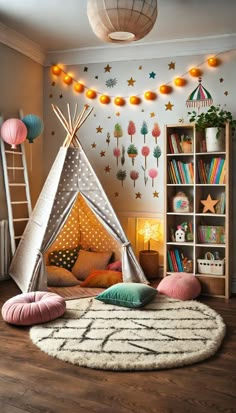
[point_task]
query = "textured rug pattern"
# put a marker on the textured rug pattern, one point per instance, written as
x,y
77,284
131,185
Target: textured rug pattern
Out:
x,y
165,333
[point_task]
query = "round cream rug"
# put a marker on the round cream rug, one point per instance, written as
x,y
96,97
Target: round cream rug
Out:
x,y
165,333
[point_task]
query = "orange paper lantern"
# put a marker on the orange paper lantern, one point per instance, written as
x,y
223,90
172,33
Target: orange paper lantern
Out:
x,y
150,95
79,87
213,61
135,100
180,81
105,99
119,101
91,94
56,70
165,89
195,72
67,79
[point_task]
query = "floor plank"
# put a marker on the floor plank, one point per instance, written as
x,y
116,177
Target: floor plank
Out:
x,y
33,382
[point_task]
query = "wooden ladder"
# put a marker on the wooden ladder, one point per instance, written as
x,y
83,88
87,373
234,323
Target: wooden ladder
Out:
x,y
17,190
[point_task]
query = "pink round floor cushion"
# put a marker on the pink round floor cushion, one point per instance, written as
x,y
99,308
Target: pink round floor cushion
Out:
x,y
180,285
33,308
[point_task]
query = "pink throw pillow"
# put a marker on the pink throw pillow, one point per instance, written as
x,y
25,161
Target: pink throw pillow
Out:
x,y
182,286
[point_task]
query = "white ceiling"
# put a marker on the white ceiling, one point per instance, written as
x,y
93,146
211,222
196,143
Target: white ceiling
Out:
x,y
62,25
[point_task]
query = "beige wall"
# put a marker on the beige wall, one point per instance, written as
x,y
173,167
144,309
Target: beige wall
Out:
x,y
21,87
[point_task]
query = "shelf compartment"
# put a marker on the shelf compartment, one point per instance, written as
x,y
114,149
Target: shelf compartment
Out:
x,y
212,285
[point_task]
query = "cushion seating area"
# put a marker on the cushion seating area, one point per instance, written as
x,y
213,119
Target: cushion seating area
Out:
x,y
33,308
181,285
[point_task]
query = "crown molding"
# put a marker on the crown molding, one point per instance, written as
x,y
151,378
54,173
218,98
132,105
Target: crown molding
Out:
x,y
139,51
22,44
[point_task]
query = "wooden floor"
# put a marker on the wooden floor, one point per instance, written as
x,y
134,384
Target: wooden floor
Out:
x,y
31,381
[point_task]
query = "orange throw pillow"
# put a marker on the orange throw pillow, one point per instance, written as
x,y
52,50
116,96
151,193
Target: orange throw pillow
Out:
x,y
102,279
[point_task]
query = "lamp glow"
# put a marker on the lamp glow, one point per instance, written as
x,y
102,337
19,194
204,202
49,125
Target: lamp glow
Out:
x,y
67,79
195,72
135,100
91,94
213,61
79,87
180,81
150,95
56,70
105,99
119,101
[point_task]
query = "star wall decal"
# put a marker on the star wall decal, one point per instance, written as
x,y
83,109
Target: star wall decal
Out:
x,y
226,93
85,69
86,106
169,106
138,195
102,153
61,96
221,80
140,67
116,194
107,68
51,95
96,77
93,145
152,114
53,83
171,65
209,204
131,82
152,75
107,169
117,113
99,129
155,194
53,133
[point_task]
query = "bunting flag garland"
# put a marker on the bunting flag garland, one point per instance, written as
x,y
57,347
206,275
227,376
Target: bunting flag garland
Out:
x,y
199,97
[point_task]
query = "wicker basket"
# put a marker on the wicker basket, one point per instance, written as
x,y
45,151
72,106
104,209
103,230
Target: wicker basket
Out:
x,y
214,267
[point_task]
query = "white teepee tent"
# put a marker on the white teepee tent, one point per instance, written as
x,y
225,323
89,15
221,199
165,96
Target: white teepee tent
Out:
x,y
71,189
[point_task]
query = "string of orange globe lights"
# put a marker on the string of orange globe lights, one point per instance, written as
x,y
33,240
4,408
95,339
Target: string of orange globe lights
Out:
x,y
166,88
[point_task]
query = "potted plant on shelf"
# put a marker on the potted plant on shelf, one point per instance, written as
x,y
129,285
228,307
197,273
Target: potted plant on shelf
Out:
x,y
186,144
213,122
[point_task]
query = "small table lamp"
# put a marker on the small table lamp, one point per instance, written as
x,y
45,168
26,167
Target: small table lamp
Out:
x,y
149,259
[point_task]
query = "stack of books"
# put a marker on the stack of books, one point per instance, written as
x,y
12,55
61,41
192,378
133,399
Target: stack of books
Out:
x,y
180,172
212,172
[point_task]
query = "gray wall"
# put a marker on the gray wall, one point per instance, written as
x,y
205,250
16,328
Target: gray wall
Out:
x,y
21,87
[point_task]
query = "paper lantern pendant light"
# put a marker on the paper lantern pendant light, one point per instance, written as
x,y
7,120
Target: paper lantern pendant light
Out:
x,y
121,21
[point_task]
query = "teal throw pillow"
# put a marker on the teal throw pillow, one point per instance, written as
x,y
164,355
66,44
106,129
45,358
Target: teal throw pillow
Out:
x,y
128,295
64,258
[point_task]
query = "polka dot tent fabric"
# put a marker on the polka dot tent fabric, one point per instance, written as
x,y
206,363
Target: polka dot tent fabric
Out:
x,y
71,210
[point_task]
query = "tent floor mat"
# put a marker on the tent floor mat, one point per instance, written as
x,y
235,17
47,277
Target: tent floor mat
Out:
x,y
76,292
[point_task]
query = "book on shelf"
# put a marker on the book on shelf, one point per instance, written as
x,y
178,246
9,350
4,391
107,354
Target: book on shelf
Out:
x,y
176,260
220,206
180,172
211,172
